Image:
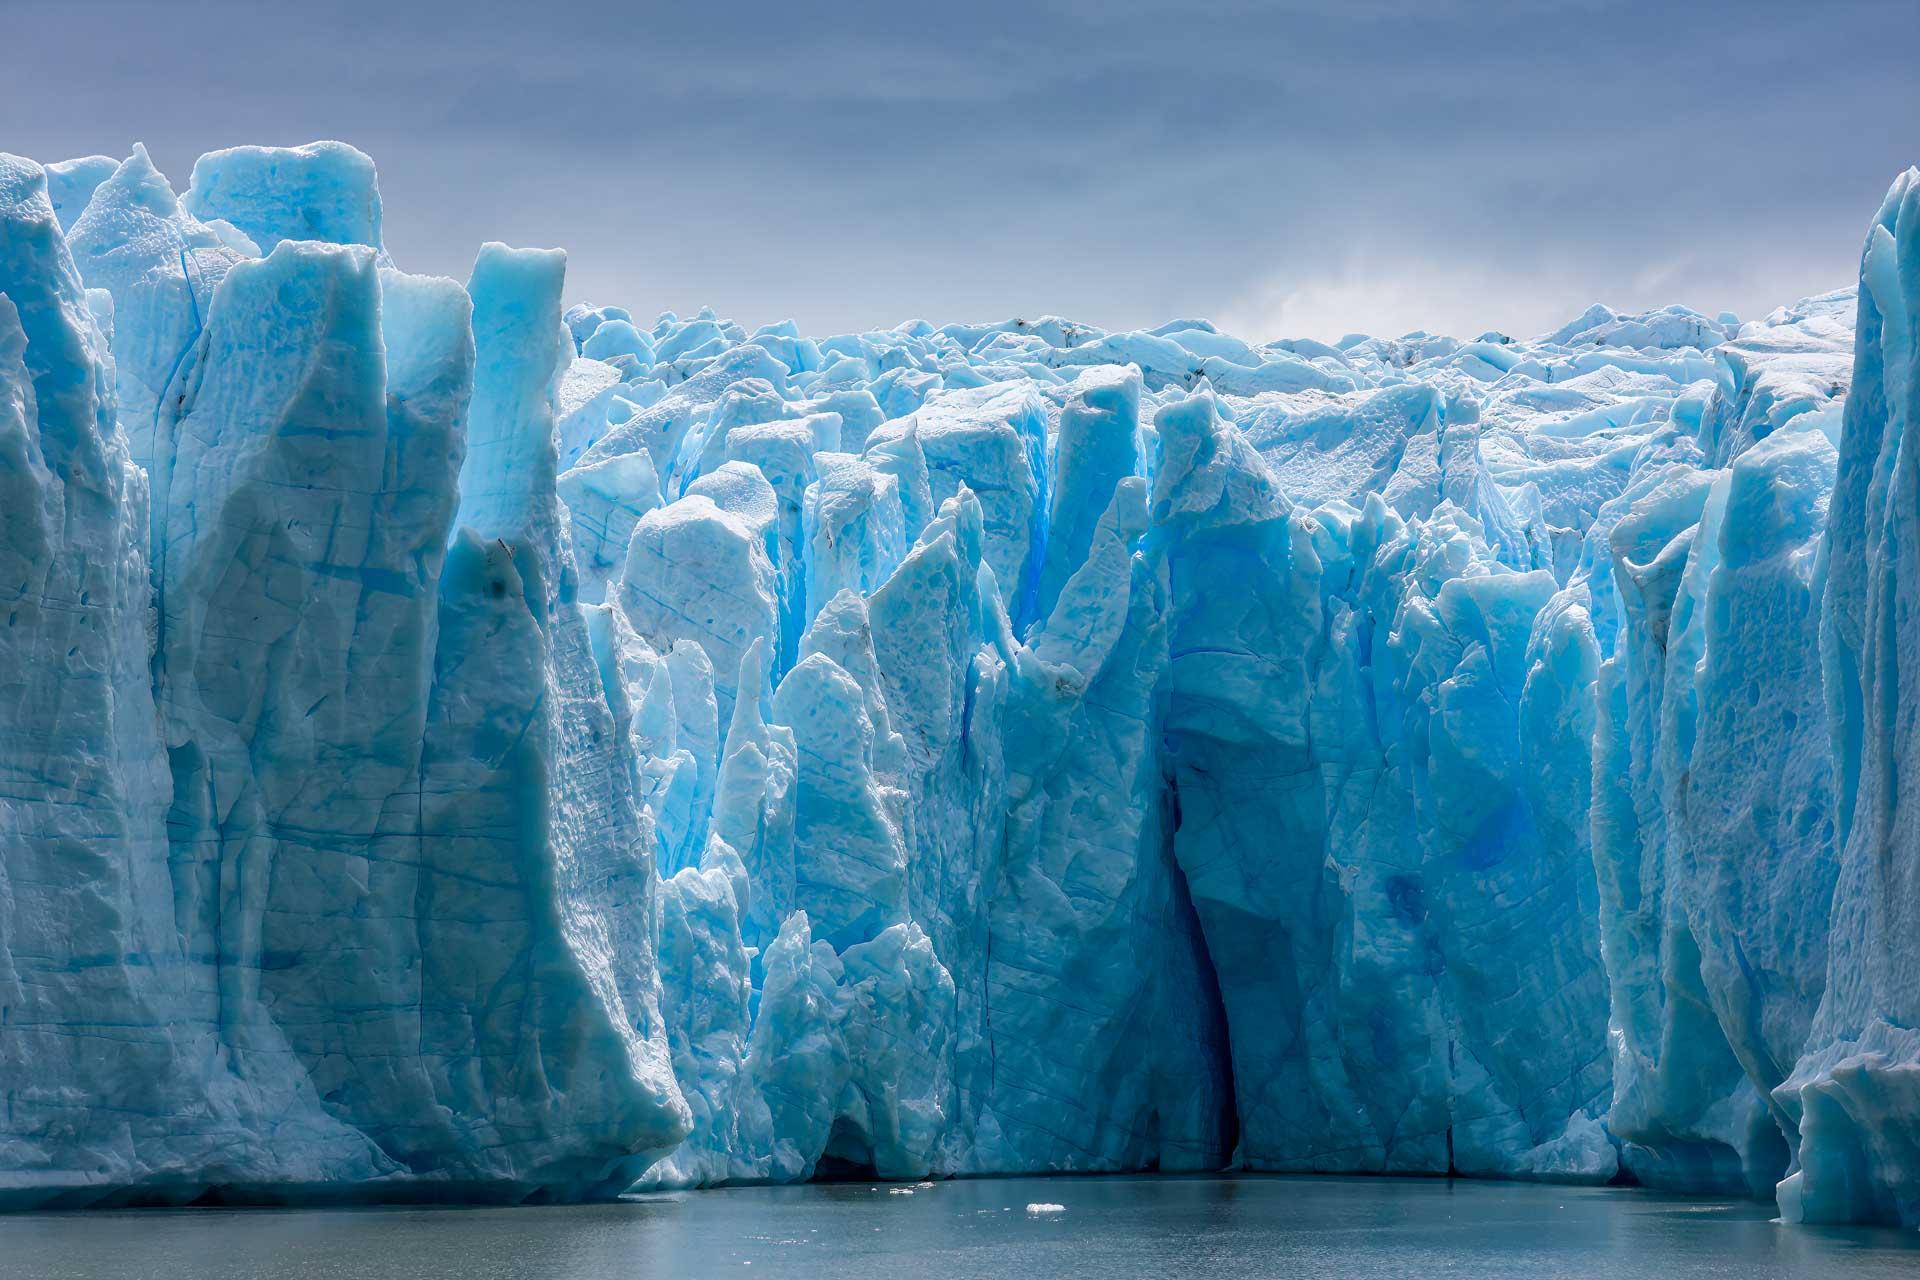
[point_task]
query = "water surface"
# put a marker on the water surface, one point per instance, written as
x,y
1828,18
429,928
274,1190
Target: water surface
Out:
x,y
1110,1228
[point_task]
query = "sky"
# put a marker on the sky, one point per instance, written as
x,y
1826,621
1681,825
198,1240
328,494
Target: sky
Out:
x,y
1286,169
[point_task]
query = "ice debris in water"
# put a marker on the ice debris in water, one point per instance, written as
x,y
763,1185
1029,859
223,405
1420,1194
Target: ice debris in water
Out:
x,y
1043,1207
463,745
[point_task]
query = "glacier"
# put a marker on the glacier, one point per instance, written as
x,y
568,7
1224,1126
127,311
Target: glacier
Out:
x,y
469,746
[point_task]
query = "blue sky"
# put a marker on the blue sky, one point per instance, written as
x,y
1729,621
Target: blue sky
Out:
x,y
1284,168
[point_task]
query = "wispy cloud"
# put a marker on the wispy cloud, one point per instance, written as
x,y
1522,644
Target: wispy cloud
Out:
x,y
1291,166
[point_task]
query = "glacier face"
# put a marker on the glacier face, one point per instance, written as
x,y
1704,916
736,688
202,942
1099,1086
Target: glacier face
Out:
x,y
474,747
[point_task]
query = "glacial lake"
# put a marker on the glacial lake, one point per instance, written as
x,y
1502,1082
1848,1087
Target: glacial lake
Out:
x,y
1107,1228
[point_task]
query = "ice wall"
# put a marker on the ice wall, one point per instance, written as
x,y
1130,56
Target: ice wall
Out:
x,y
123,1061
1853,1090
471,748
364,883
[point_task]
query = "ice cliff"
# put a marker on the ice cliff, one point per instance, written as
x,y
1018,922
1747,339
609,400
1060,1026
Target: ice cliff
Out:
x,y
463,746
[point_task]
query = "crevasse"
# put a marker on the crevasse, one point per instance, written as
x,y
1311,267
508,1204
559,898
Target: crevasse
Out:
x,y
461,746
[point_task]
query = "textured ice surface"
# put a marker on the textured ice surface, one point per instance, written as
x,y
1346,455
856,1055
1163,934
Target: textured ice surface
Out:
x,y
465,747
124,1055
1855,1091
322,191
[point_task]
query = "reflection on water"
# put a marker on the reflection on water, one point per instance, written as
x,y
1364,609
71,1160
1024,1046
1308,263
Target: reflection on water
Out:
x,y
1111,1227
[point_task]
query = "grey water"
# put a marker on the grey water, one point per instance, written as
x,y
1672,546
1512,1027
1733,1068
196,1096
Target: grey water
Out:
x,y
1106,1227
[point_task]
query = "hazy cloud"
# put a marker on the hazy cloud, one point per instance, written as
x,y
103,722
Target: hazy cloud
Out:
x,y
1285,167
